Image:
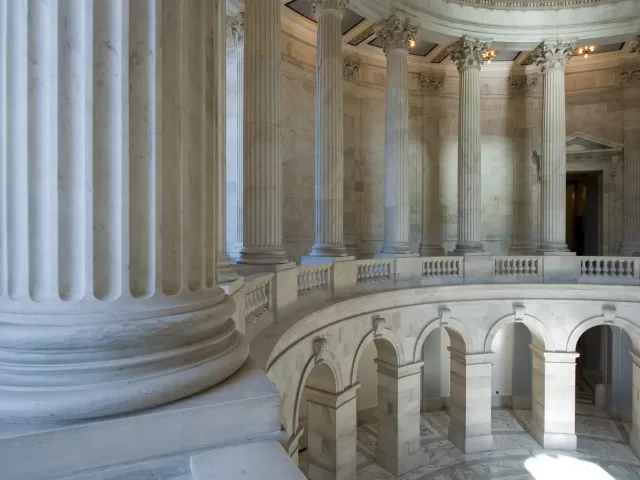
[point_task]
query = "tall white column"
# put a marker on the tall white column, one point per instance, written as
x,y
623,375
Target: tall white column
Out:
x,y
398,445
631,180
525,123
552,57
329,181
553,402
467,55
432,89
235,134
351,68
226,273
108,290
396,36
470,411
262,170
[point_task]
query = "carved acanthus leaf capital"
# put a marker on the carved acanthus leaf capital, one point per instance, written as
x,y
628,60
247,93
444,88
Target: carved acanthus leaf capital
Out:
x,y
467,52
350,68
431,84
523,84
236,24
320,6
396,33
550,55
630,74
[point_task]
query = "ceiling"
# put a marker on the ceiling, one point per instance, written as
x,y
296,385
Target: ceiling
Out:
x,y
359,32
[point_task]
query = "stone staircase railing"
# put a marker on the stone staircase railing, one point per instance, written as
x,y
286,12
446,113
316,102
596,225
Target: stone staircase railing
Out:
x,y
262,298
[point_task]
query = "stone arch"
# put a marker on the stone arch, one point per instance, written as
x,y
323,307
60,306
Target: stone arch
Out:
x,y
329,363
629,327
388,346
455,329
540,334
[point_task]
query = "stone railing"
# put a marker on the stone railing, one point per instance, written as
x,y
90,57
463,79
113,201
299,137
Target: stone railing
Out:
x,y
265,297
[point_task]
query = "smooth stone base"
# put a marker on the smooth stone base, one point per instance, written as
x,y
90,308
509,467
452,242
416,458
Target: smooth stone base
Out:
x,y
478,266
555,441
252,461
471,444
317,260
523,249
246,270
262,256
431,251
560,267
245,406
325,250
230,288
226,272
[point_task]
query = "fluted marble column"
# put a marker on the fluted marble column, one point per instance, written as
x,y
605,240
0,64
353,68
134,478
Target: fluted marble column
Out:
x,y
329,188
631,181
552,57
467,55
262,169
108,291
351,67
226,273
396,36
235,131
432,89
525,123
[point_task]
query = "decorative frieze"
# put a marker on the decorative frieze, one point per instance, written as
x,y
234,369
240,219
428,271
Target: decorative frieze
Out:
x,y
396,33
467,52
350,68
549,55
431,84
523,84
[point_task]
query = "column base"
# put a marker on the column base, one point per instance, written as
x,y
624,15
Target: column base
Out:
x,y
552,248
328,250
396,249
462,248
554,441
466,444
630,250
244,407
262,256
313,260
226,272
247,269
523,249
352,249
431,250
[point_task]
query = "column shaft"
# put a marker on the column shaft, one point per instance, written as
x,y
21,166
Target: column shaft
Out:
x,y
553,57
108,289
262,171
553,421
470,411
329,181
399,390
634,436
396,36
467,53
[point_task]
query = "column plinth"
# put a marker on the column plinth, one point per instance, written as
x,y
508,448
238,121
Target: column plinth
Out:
x,y
552,57
396,36
467,55
262,169
108,290
329,180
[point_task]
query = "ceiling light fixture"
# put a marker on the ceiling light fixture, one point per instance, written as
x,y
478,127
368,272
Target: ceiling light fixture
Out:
x,y
586,50
488,55
412,43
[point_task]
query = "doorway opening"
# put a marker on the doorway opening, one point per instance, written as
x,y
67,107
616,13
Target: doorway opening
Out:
x,y
584,190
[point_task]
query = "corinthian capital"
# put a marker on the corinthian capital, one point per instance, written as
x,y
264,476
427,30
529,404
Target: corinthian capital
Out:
x,y
350,68
630,75
549,55
431,84
236,24
396,33
320,6
523,84
467,52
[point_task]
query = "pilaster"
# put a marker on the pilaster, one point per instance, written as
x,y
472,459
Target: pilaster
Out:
x,y
470,412
432,89
350,71
467,55
398,445
331,435
552,58
396,35
553,399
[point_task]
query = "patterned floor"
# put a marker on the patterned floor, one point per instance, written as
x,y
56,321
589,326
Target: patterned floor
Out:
x,y
603,451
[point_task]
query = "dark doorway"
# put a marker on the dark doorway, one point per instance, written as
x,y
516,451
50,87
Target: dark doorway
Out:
x,y
583,212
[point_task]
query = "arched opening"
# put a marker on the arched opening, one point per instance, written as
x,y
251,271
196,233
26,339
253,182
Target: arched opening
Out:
x,y
314,414
604,385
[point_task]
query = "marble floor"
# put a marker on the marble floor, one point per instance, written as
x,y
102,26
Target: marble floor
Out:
x,y
603,451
